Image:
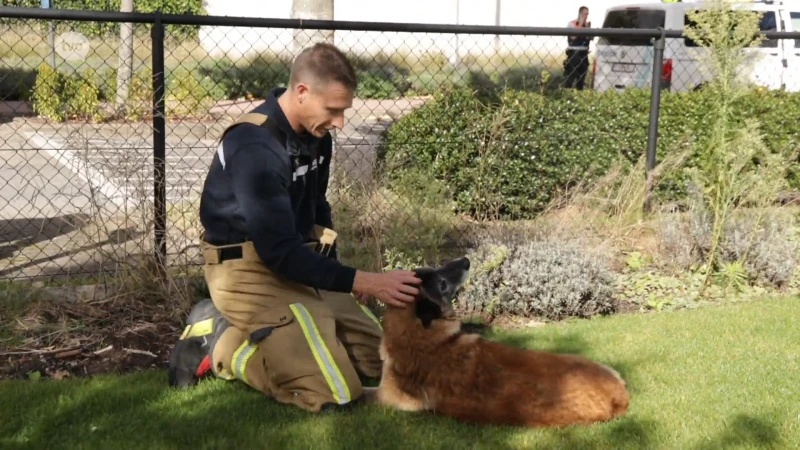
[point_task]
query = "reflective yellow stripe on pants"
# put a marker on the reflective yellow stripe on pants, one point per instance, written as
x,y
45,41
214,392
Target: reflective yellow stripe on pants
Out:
x,y
336,382
240,358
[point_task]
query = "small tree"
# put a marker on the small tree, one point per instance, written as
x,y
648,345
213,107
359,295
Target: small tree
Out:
x,y
734,167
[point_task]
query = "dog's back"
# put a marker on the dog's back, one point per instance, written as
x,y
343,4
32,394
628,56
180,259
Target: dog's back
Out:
x,y
534,388
467,377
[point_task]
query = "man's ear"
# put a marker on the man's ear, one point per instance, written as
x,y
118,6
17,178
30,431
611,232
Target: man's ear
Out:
x,y
301,90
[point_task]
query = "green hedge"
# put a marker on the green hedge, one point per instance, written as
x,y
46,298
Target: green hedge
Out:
x,y
101,29
512,154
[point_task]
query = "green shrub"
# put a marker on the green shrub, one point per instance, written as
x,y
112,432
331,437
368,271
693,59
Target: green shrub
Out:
x,y
187,95
510,157
16,83
764,244
46,96
72,95
140,95
58,97
81,97
428,82
379,84
412,218
248,77
103,29
549,279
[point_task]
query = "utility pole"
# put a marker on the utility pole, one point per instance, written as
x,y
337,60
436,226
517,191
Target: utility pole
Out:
x,y
456,58
125,61
311,10
497,9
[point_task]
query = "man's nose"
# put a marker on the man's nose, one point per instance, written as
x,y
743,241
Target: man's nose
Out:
x,y
338,121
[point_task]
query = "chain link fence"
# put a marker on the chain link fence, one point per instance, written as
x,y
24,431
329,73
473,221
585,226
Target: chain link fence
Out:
x,y
108,123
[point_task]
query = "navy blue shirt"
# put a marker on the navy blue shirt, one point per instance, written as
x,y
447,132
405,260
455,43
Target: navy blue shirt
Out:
x,y
267,184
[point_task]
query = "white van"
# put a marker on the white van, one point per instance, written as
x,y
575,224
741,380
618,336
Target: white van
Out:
x,y
626,62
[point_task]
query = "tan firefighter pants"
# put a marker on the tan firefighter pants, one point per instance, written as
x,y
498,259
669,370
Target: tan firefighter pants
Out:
x,y
307,347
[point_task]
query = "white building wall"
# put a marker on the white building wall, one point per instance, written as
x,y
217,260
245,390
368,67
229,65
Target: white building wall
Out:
x,y
236,41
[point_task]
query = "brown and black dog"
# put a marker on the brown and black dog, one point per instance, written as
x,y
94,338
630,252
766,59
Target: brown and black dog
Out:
x,y
431,364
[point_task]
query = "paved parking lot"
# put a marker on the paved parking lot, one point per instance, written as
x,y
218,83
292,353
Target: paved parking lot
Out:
x,y
51,175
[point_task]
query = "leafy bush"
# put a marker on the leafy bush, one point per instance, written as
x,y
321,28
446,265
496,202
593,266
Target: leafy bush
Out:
x,y
68,95
187,95
103,29
763,246
16,83
59,97
46,96
734,166
81,97
653,290
768,255
403,220
248,77
548,279
508,158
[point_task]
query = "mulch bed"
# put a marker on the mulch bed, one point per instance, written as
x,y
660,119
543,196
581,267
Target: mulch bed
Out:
x,y
56,337
137,348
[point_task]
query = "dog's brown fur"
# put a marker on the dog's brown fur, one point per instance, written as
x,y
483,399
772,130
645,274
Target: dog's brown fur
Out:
x,y
435,366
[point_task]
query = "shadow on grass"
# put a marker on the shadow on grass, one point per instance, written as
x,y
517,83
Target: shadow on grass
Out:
x,y
139,411
745,430
574,343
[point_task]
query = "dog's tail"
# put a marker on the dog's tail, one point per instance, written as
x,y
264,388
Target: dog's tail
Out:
x,y
620,398
620,402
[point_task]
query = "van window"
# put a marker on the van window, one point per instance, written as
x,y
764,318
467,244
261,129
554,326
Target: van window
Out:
x,y
795,17
633,18
768,23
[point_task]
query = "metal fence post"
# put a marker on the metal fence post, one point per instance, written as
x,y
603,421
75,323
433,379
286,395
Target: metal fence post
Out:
x,y
159,144
655,106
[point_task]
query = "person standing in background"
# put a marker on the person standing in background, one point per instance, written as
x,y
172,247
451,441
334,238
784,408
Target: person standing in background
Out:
x,y
577,62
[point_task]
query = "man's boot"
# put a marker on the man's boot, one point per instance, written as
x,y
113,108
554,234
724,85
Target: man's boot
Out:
x,y
191,357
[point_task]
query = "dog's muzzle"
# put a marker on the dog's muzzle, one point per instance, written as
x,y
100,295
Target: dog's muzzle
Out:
x,y
448,313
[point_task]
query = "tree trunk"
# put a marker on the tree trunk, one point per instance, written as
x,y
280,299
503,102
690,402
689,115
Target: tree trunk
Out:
x,y
125,62
311,10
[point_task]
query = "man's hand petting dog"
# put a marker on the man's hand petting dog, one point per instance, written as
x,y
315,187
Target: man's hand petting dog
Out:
x,y
395,287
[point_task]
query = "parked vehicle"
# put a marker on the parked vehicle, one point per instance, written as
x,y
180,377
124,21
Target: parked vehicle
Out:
x,y
625,62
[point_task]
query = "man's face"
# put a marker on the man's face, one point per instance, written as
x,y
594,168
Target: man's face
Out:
x,y
323,106
583,15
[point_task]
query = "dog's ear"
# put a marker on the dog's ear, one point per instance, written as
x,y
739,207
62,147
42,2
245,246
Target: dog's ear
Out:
x,y
424,273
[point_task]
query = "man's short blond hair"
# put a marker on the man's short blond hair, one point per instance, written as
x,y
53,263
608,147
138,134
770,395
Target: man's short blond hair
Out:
x,y
323,63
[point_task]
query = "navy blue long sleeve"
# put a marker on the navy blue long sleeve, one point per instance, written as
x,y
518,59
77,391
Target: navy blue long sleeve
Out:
x,y
261,190
272,193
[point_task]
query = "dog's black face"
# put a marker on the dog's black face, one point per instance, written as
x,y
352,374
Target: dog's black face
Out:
x,y
439,286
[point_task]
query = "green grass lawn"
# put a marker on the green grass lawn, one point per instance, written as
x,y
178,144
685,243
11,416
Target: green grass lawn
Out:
x,y
712,378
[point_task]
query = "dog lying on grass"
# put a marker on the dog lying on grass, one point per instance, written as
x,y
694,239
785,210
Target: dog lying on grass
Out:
x,y
431,364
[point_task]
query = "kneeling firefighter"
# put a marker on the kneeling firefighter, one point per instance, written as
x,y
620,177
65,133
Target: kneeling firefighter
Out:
x,y
289,325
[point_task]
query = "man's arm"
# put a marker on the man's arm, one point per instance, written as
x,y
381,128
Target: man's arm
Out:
x,y
261,190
